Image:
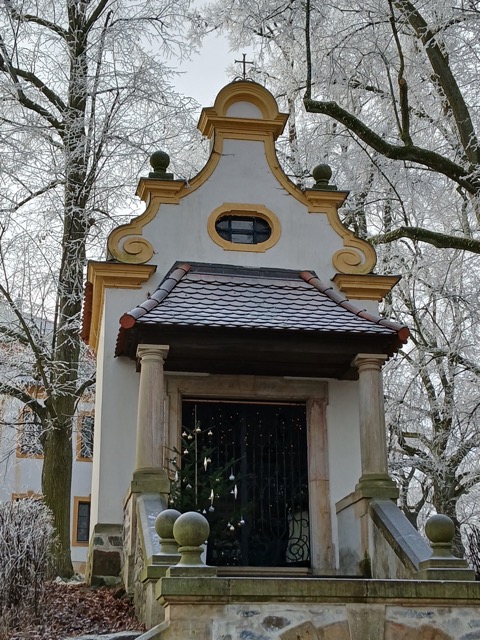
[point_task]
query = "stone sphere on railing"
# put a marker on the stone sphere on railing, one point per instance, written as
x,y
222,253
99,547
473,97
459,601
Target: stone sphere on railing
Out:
x,y
191,529
440,529
164,523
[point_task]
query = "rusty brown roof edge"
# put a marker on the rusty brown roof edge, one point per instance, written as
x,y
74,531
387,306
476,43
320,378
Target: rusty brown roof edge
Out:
x,y
167,285
401,330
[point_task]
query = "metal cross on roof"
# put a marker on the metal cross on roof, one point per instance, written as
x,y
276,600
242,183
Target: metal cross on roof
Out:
x,y
244,62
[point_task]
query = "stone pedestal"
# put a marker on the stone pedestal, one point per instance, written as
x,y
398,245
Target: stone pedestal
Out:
x,y
105,555
442,564
354,535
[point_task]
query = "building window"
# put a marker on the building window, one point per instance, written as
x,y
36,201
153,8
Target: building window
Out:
x,y
85,428
30,431
243,229
81,521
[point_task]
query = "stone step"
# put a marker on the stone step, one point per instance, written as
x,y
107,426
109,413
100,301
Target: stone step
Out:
x,y
119,635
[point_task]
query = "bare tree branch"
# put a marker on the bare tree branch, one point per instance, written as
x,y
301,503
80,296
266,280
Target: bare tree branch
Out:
x,y
422,156
439,240
445,78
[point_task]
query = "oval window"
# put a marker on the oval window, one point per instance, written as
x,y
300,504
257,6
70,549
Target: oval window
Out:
x,y
243,229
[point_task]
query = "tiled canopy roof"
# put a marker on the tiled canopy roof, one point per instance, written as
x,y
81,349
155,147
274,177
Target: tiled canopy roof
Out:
x,y
204,295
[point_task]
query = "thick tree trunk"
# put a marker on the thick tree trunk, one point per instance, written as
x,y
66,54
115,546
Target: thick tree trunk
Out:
x,y
58,454
57,467
56,482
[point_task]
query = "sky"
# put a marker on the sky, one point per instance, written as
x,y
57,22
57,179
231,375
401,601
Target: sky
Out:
x,y
205,74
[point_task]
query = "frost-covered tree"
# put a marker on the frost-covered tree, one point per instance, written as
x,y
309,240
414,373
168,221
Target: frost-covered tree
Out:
x,y
85,96
397,81
433,404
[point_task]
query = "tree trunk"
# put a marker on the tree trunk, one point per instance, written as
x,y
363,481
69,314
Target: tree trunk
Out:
x,y
56,482
57,466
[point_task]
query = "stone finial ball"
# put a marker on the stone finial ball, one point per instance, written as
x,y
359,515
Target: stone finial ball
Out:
x,y
160,160
440,528
191,529
322,172
165,521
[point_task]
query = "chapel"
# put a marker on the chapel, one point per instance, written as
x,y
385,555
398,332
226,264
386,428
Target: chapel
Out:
x,y
239,377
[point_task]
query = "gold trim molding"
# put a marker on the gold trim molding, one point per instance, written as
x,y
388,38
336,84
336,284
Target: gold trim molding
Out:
x,y
358,256
365,287
107,275
127,244
257,210
215,118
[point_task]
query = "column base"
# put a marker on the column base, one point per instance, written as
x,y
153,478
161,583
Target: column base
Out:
x,y
150,480
445,569
377,485
191,571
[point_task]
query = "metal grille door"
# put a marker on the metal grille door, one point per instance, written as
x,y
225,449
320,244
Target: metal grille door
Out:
x,y
244,465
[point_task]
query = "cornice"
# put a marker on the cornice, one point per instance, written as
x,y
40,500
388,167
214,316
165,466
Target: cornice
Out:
x,y
365,287
105,275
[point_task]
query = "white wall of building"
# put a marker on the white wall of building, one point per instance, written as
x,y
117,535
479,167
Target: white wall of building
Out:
x,y
115,416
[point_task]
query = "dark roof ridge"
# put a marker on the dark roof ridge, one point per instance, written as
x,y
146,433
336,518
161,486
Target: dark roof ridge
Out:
x,y
328,290
166,286
210,268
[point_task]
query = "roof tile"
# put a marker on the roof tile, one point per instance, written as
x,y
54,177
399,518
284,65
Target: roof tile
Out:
x,y
224,296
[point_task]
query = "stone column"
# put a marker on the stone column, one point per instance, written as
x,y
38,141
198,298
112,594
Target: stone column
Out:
x,y
374,481
149,475
151,418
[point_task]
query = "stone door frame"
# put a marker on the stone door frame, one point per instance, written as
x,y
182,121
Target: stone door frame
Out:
x,y
313,392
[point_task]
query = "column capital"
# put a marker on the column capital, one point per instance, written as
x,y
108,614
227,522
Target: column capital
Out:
x,y
366,361
152,352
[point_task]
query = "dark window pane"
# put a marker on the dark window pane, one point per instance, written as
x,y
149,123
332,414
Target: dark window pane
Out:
x,y
243,229
241,224
83,521
30,432
242,238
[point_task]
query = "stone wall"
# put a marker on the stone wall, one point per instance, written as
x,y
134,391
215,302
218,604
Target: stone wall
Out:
x,y
334,622
105,555
319,609
129,542
386,563
145,563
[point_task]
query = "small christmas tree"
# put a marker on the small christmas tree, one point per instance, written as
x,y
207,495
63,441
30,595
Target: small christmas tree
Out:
x,y
211,488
